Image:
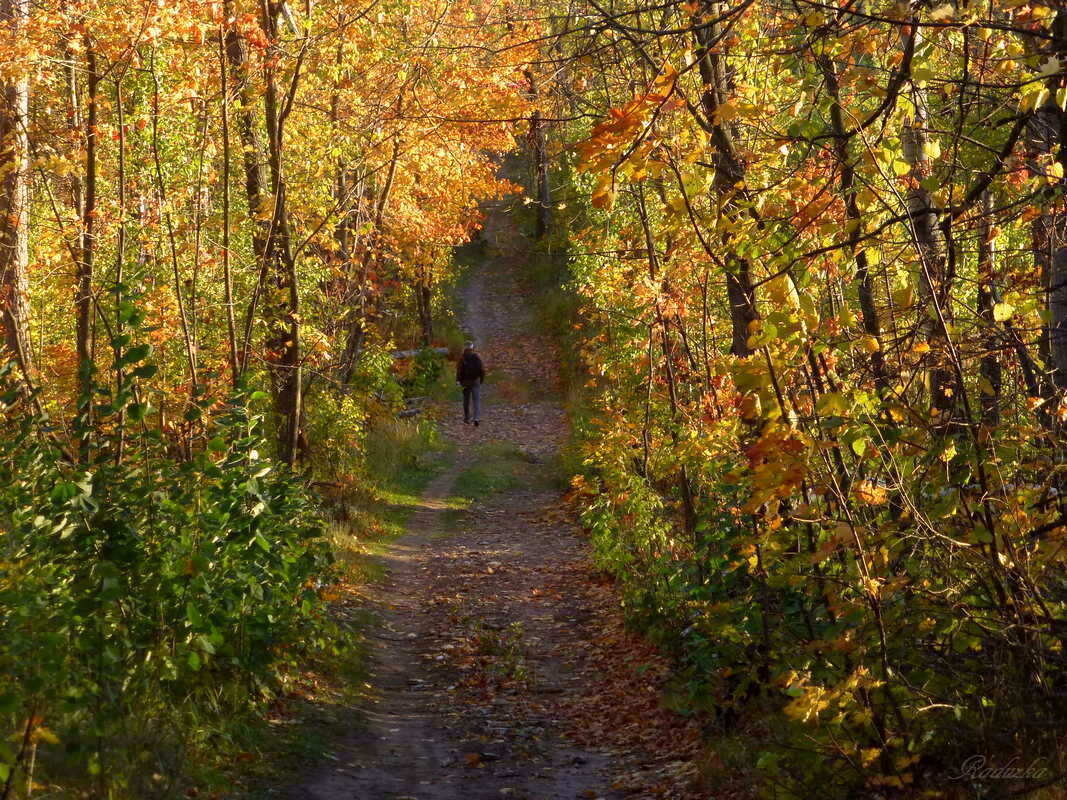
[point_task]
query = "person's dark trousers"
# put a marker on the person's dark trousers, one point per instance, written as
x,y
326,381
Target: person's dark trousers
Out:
x,y
472,393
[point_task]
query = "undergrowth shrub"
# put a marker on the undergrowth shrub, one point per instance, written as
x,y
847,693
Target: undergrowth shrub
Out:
x,y
895,685
137,589
425,373
357,440
336,423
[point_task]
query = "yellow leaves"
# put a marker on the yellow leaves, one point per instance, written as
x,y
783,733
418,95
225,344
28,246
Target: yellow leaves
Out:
x,y
778,464
810,701
43,734
1051,67
832,404
943,12
1002,312
56,164
871,344
865,198
266,208
725,112
751,408
868,755
782,292
904,297
610,138
1035,97
872,586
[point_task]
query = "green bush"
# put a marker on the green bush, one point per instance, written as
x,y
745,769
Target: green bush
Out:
x,y
134,585
335,424
425,373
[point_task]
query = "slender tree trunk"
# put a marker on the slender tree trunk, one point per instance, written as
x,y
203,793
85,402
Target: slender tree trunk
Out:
x,y
14,205
685,484
729,171
120,261
83,291
989,368
864,284
191,355
282,311
356,330
227,277
1048,130
425,311
253,161
935,284
544,194
540,158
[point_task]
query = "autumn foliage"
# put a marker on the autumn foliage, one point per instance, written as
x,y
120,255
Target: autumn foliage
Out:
x,y
217,220
816,262
817,252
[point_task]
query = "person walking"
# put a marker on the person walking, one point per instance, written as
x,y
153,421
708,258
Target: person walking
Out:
x,y
470,374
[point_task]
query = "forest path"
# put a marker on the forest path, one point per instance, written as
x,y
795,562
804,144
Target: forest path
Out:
x,y
487,614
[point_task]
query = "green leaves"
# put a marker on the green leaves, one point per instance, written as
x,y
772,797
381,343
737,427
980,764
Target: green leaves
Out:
x,y
149,583
134,354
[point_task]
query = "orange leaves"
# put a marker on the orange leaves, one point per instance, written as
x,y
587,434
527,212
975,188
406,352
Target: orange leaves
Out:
x,y
870,493
604,193
612,141
777,465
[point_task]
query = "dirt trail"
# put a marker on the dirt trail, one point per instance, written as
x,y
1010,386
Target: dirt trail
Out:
x,y
479,642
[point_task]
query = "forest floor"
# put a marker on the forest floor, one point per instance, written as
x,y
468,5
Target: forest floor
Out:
x,y
499,663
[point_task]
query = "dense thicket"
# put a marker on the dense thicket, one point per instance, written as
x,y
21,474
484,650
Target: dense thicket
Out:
x,y
820,260
217,220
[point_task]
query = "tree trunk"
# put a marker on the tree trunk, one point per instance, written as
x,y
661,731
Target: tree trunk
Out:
x,y
544,194
14,202
540,159
989,368
425,303
227,277
358,314
685,484
729,171
864,284
83,290
1047,130
935,284
253,161
282,310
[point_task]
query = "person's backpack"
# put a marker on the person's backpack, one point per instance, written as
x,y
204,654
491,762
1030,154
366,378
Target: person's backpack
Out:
x,y
470,369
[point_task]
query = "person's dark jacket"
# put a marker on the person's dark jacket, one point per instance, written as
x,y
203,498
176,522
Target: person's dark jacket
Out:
x,y
469,370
